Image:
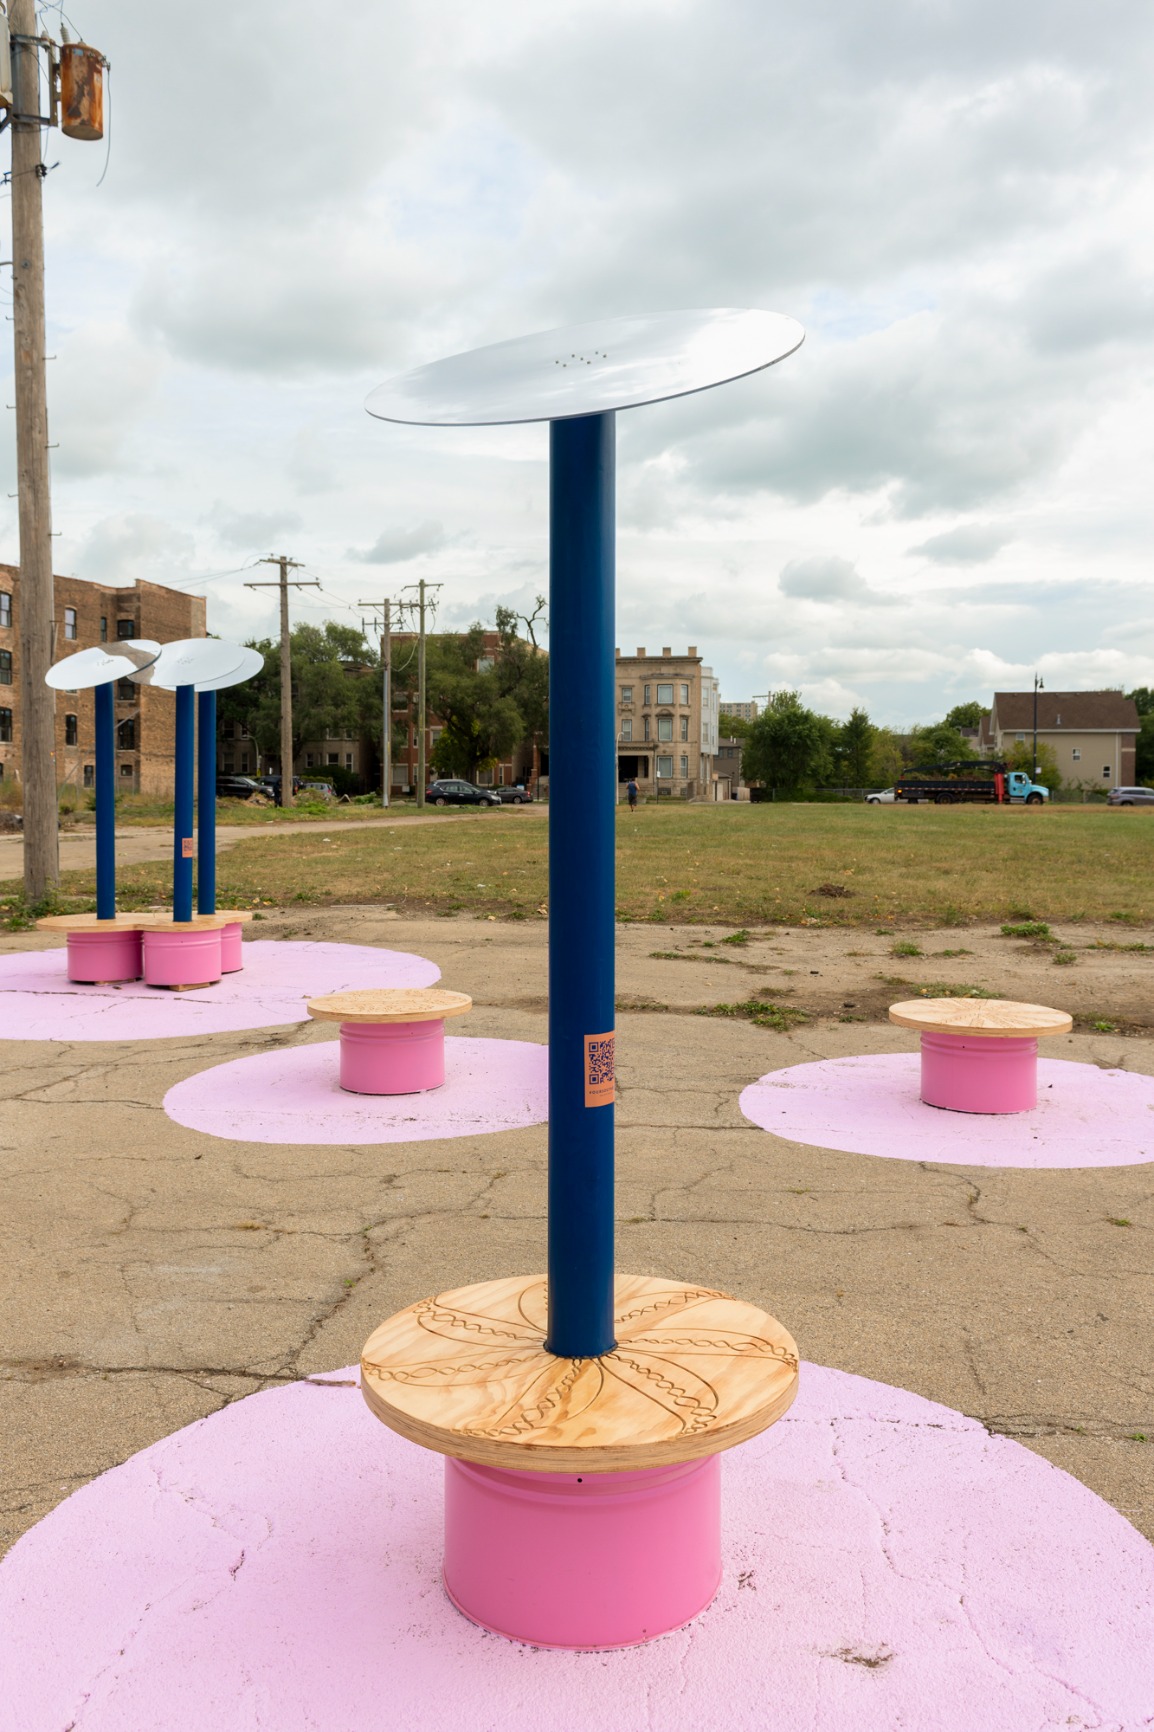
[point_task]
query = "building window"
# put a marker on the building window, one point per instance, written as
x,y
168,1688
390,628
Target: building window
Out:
x,y
627,727
685,694
126,691
484,778
665,694
664,768
227,730
90,775
229,767
685,727
310,761
104,628
334,758
71,731
627,694
1020,739
70,622
5,667
665,727
348,760
6,726
1077,756
126,770
1106,771
125,628
685,766
244,765
645,727
126,735
5,608
242,729
646,694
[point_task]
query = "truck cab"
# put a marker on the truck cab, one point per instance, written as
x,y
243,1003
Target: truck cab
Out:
x,y
1020,787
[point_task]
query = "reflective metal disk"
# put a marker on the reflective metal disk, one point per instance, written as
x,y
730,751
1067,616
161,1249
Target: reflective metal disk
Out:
x,y
252,664
588,369
102,663
191,661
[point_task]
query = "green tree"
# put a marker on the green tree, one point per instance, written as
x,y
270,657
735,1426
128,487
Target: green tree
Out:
x,y
1144,756
1143,700
333,673
937,745
965,715
788,746
1021,757
733,727
853,743
886,761
481,721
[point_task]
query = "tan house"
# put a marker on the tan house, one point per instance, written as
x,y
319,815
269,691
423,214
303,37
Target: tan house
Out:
x,y
88,614
667,723
1093,735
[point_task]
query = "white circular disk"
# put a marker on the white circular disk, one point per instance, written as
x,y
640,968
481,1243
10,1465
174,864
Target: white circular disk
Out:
x,y
191,661
252,663
589,369
101,664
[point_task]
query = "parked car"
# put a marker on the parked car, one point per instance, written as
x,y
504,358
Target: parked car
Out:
x,y
450,792
885,798
318,790
270,785
1130,797
518,796
237,787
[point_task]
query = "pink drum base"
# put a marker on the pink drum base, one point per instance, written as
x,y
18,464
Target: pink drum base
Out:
x,y
104,956
231,954
968,1074
182,958
597,1560
392,1058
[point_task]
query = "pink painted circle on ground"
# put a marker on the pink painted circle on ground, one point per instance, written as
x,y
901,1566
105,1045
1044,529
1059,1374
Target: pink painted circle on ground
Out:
x,y
294,1096
887,1564
39,1002
870,1105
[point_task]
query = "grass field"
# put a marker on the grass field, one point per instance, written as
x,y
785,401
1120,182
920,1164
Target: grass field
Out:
x,y
733,864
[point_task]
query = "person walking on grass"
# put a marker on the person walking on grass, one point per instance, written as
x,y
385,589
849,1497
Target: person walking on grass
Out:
x,y
631,794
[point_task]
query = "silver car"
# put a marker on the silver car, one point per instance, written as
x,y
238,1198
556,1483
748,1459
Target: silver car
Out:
x,y
885,798
1130,797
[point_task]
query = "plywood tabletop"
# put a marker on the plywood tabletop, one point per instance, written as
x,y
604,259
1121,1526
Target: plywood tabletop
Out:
x,y
992,1018
466,1374
198,923
385,1004
90,923
231,916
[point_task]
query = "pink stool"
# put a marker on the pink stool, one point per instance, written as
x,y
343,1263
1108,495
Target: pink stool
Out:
x,y
231,952
100,952
392,1041
182,956
980,1055
582,1496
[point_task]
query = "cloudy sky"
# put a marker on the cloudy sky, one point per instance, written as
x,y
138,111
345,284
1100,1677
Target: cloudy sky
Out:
x,y
945,489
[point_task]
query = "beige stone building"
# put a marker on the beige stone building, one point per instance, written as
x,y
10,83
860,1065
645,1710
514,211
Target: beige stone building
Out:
x,y
667,723
88,614
1093,735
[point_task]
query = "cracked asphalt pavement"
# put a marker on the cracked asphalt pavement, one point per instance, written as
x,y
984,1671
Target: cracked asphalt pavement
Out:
x,y
152,1274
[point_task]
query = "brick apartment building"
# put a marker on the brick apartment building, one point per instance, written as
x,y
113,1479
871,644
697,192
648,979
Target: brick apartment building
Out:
x,y
89,614
667,723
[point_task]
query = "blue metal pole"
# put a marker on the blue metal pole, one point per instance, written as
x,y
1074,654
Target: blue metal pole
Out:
x,y
582,837
105,801
206,803
182,818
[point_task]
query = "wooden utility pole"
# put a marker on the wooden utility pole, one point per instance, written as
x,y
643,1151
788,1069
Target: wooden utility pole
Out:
x,y
38,720
422,589
385,609
286,665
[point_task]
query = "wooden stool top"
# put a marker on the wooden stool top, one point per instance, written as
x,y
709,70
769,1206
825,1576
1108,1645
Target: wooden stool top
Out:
x,y
395,1004
90,923
231,916
466,1373
198,923
995,1018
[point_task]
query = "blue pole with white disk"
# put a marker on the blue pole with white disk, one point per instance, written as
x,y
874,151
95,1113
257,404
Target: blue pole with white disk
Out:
x,y
206,803
582,837
105,772
182,820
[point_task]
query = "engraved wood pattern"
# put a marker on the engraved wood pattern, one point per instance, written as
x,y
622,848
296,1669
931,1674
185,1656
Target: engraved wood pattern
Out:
x,y
466,1373
988,1017
390,1004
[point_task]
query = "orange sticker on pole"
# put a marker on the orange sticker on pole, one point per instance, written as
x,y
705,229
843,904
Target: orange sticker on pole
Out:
x,y
187,848
600,1075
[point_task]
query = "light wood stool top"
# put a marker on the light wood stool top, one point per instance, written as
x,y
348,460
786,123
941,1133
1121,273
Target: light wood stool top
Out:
x,y
90,923
995,1018
198,923
466,1373
396,1004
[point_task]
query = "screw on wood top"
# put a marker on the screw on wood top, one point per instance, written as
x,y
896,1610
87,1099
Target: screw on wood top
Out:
x,y
466,1373
990,1018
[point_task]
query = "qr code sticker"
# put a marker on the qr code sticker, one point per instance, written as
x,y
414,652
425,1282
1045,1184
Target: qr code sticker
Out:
x,y
601,1060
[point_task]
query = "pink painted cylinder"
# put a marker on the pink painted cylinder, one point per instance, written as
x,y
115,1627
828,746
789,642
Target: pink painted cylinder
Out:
x,y
600,1560
231,958
392,1058
104,956
182,958
971,1074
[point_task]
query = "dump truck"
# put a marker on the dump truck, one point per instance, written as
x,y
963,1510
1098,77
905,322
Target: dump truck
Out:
x,y
973,781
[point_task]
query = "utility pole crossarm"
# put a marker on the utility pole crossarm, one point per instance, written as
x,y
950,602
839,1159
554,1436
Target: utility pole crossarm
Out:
x,y
283,583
